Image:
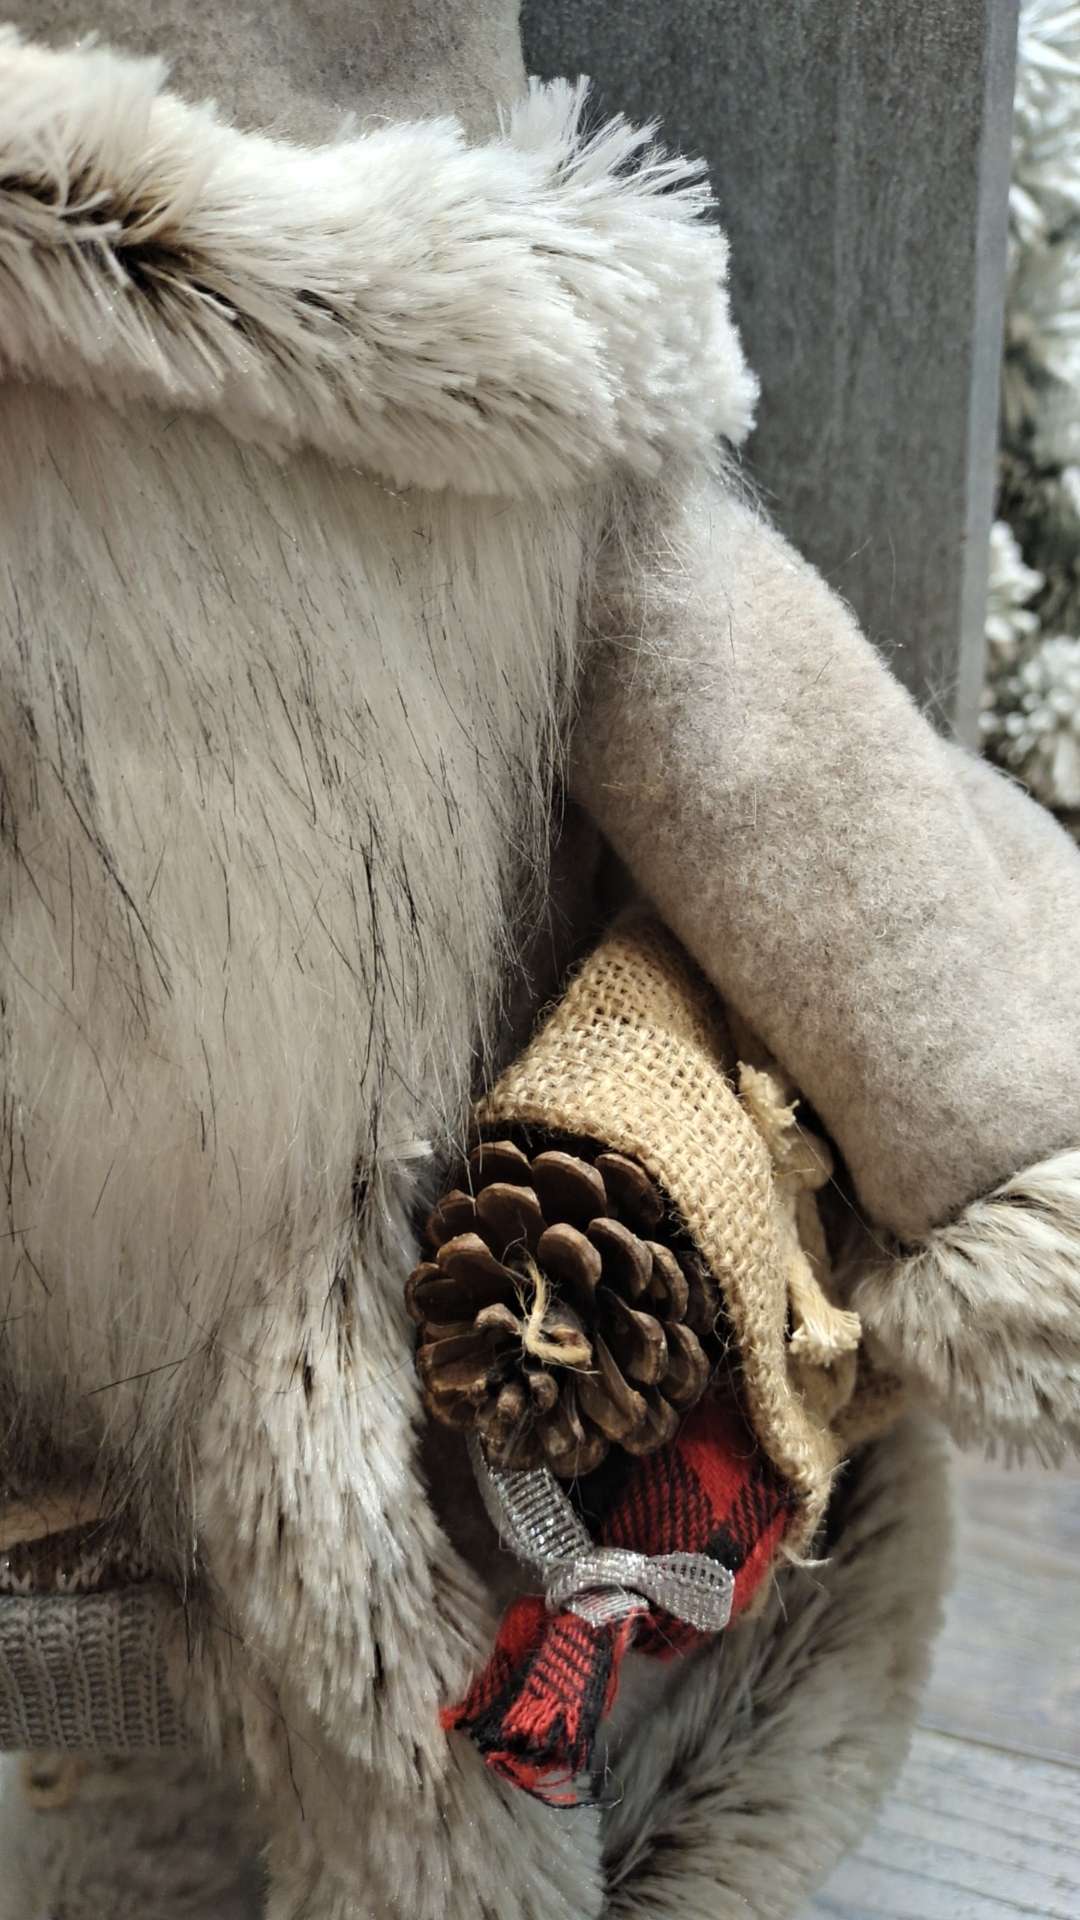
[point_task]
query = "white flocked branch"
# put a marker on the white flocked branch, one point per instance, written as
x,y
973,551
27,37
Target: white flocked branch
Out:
x,y
1031,714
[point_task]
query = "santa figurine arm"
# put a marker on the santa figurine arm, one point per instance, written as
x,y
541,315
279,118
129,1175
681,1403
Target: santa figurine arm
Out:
x,y
896,920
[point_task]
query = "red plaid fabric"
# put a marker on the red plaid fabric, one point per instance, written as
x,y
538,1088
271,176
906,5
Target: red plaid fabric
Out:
x,y
535,1710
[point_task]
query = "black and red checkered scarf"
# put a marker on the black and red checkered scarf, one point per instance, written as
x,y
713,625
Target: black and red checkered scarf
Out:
x,y
536,1709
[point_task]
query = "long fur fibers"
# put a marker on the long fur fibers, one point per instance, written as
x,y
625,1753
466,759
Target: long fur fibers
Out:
x,y
518,316
275,766
275,773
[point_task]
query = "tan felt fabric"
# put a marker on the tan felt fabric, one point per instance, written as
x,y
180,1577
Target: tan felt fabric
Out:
x,y
896,921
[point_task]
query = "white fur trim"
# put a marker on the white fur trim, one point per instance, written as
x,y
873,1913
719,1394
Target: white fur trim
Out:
x,y
257,792
983,1318
517,316
277,747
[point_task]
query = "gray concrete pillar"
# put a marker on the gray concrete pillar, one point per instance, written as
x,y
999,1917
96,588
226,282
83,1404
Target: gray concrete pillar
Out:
x,y
860,154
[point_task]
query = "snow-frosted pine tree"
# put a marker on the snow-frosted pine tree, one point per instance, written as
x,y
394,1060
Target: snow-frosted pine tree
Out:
x,y
1031,717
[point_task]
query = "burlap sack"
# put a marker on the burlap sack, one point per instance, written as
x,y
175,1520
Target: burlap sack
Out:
x,y
639,1055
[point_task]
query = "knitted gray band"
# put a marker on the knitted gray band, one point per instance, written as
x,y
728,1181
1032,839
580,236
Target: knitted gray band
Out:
x,y
86,1672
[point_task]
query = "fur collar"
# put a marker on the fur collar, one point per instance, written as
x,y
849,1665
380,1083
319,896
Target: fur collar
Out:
x,y
528,314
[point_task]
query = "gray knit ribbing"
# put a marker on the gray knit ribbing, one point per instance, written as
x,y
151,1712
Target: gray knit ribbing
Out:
x,y
86,1672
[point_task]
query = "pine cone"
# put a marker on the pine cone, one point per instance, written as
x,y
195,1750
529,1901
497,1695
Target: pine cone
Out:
x,y
550,1320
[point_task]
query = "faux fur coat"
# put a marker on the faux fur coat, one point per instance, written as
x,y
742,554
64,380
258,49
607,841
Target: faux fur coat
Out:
x,y
354,498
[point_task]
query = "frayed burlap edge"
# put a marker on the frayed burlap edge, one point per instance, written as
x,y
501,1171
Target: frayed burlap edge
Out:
x,y
637,1055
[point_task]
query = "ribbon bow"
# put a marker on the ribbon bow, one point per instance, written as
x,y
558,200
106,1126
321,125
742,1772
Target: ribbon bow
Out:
x,y
536,1521
683,1546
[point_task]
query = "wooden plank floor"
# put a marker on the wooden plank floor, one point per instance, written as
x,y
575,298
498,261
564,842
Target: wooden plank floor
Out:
x,y
985,1821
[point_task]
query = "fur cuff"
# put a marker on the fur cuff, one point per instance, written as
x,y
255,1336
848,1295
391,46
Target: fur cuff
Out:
x,y
507,318
982,1320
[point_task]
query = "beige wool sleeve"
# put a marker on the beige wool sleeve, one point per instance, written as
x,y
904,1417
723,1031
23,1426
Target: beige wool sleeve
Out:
x,y
897,921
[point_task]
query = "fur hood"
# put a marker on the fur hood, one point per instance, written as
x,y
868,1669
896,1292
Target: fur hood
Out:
x,y
520,316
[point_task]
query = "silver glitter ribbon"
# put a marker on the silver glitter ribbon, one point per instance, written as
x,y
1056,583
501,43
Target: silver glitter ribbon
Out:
x,y
535,1519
